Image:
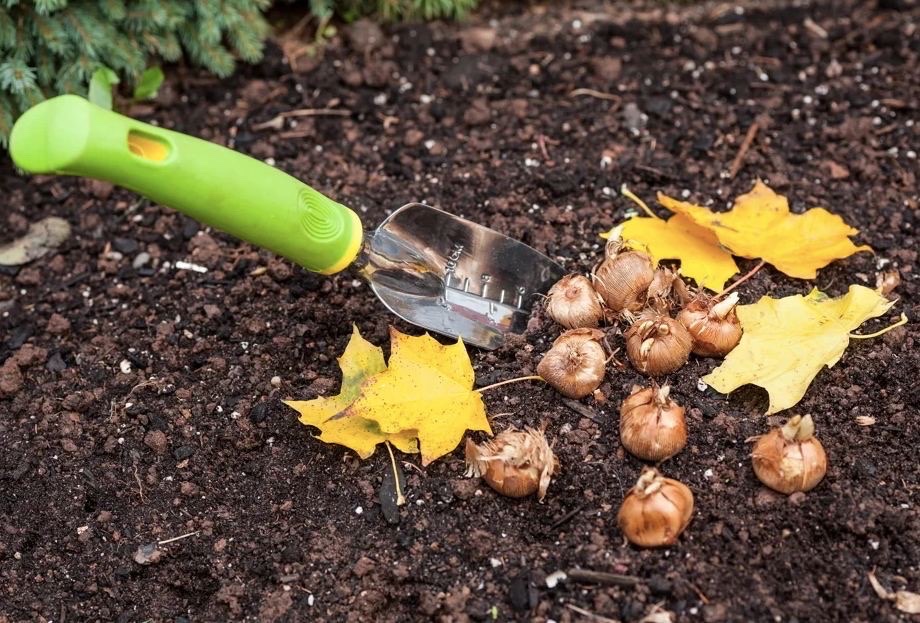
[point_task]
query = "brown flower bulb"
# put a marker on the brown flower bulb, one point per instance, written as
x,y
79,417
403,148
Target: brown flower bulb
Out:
x,y
573,303
623,278
652,425
790,458
516,463
715,327
576,362
657,344
656,510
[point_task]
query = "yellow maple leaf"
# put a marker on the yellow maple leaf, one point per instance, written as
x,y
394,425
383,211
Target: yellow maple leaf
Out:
x,y
679,238
761,226
427,388
360,361
788,341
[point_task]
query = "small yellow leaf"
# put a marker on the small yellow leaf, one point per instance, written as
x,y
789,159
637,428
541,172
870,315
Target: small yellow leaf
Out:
x,y
427,388
761,226
360,361
788,341
679,238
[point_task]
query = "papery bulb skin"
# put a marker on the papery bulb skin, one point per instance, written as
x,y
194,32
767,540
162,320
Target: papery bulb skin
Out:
x,y
516,463
573,303
652,425
656,344
714,326
622,279
576,363
790,458
656,510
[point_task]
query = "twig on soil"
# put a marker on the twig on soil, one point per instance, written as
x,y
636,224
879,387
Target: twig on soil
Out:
x,y
698,592
140,487
602,577
541,142
275,122
565,518
743,150
647,169
589,614
598,94
178,538
582,410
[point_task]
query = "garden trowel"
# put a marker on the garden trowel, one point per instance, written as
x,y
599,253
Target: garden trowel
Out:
x,y
431,268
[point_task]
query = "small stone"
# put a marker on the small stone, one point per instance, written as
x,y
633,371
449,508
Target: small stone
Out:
x,y
56,362
57,325
156,441
125,366
125,245
634,118
148,554
520,594
104,517
141,260
183,452
275,381
68,445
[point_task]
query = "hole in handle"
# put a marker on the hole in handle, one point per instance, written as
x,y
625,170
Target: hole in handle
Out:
x,y
147,147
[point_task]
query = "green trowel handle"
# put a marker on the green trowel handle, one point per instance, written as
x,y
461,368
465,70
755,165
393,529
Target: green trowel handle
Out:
x,y
215,185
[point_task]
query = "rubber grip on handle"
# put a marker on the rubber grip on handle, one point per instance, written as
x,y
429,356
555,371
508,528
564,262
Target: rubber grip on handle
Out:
x,y
223,188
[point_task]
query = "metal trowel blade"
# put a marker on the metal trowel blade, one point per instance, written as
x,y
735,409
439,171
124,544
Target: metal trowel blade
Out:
x,y
454,277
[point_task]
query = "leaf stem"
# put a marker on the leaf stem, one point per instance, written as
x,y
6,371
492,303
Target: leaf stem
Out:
x,y
520,378
741,280
400,498
902,321
632,197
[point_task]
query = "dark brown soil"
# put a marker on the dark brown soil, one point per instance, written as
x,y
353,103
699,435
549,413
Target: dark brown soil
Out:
x,y
137,401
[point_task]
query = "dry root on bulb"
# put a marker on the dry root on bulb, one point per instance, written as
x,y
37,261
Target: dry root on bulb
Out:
x,y
516,463
576,362
790,458
657,344
652,426
656,510
667,288
623,278
573,303
714,326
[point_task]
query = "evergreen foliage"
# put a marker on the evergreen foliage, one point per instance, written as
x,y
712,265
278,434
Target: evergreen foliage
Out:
x,y
48,47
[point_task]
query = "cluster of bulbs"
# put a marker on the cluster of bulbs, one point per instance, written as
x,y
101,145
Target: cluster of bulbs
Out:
x,y
627,286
